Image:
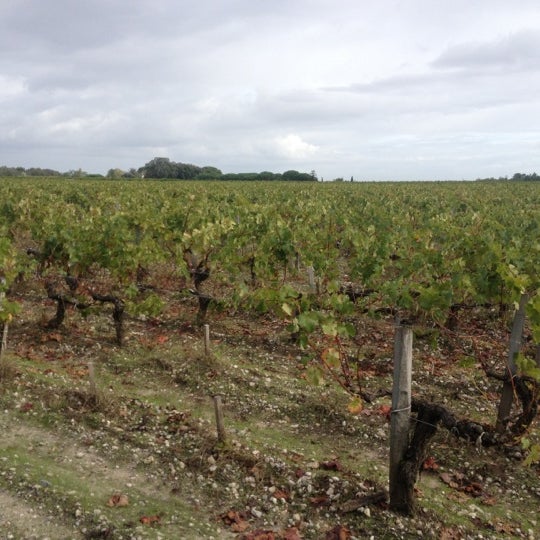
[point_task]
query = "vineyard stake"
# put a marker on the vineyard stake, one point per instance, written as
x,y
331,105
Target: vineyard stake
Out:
x,y
3,343
401,410
206,339
219,419
507,396
311,278
92,378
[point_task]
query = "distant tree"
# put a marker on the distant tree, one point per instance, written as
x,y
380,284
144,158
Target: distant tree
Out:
x,y
296,176
209,173
244,177
518,177
267,175
79,173
37,171
159,167
132,173
115,174
12,171
522,177
186,171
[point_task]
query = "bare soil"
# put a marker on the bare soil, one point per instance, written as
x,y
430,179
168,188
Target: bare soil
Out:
x,y
138,457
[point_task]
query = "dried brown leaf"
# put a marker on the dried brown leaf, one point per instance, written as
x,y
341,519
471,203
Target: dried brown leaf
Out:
x,y
118,500
150,520
449,533
291,534
259,534
339,532
319,500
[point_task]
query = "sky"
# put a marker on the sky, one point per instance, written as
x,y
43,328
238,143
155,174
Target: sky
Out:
x,y
369,89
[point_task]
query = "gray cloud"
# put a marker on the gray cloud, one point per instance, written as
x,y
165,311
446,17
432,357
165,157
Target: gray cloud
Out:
x,y
392,89
516,52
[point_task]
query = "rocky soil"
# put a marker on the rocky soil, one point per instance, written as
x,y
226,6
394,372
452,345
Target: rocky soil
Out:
x,y
133,452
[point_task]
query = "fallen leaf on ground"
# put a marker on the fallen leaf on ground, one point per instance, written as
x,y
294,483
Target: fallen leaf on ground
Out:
x,y
459,482
281,494
385,410
319,500
430,464
118,499
53,336
27,406
458,496
339,532
449,533
235,520
150,520
355,406
505,528
291,534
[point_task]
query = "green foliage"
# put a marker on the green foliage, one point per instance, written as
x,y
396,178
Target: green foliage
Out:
x,y
419,249
315,375
467,362
528,367
152,305
162,167
296,176
533,455
533,313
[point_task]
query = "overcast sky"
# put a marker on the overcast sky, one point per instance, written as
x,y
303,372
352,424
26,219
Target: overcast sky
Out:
x,y
375,89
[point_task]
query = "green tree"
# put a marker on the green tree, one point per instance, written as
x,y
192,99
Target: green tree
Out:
x,y
209,173
296,176
115,173
186,171
159,167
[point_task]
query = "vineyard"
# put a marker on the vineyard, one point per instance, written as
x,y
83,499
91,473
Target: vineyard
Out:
x,y
107,381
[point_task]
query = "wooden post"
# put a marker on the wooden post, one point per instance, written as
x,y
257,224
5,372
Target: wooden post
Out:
x,y
400,495
3,346
206,339
92,378
311,278
3,343
508,391
219,419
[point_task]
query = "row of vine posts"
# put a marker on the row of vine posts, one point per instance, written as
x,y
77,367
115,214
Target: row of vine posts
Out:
x,y
409,436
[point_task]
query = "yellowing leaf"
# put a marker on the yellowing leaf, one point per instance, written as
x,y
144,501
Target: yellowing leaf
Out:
x,y
287,309
356,405
314,376
331,357
329,328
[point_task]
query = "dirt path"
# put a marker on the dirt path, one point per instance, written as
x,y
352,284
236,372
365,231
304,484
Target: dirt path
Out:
x,y
20,519
58,485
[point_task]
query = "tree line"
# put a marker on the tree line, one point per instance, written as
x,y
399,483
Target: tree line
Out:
x,y
164,168
517,177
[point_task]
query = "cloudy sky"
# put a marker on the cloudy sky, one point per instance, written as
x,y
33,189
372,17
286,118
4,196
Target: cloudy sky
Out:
x,y
375,89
